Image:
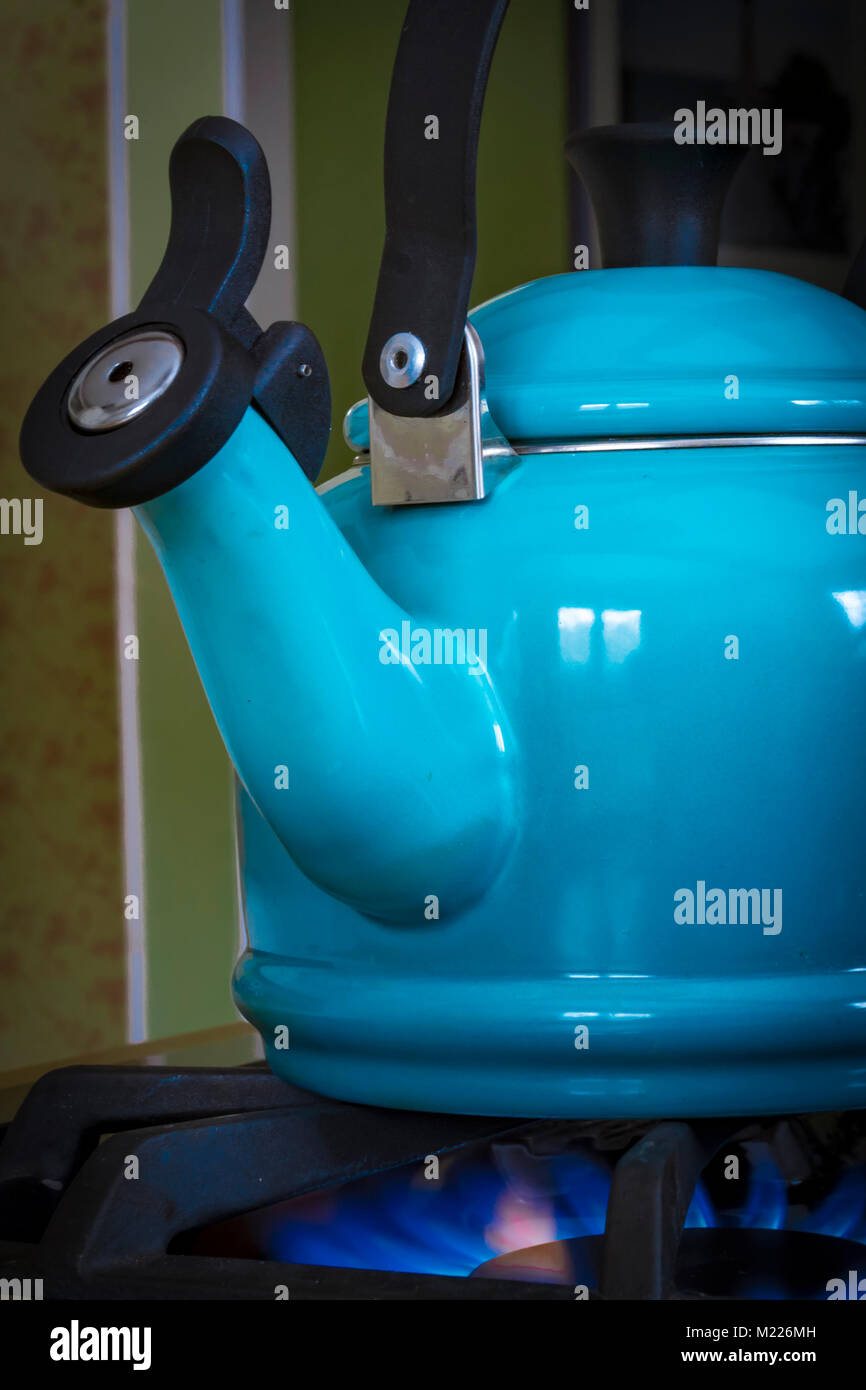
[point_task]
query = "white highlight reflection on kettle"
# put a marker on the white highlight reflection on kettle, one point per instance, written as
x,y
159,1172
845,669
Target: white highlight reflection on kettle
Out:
x,y
621,629
620,632
853,601
575,626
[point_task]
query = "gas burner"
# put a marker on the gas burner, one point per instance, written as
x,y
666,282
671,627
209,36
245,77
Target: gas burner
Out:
x,y
711,1263
247,1185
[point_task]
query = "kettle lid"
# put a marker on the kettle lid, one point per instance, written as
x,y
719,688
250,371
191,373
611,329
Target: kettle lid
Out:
x,y
660,342
673,349
667,350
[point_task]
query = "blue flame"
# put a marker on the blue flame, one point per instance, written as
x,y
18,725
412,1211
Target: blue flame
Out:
x,y
843,1213
399,1220
700,1213
766,1205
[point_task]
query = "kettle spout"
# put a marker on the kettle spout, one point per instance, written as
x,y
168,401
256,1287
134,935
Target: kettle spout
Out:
x,y
388,789
391,789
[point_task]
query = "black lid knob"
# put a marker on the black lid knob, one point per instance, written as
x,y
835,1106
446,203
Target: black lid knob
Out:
x,y
656,202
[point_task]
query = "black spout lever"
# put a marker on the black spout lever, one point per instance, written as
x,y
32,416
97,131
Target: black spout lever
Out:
x,y
144,403
220,220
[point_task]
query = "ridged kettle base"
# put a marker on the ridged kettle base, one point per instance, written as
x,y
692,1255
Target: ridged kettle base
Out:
x,y
504,1046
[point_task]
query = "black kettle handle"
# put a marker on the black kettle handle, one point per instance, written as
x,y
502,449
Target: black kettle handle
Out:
x,y
431,144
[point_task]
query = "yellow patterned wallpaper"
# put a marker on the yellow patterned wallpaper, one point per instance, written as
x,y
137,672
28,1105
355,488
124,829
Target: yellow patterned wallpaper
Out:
x,y
61,918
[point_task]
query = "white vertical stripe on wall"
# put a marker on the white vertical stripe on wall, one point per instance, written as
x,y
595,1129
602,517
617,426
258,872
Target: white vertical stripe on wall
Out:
x,y
124,548
269,112
233,58
234,93
257,91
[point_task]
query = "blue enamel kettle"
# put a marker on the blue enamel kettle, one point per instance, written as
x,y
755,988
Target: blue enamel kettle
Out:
x,y
548,714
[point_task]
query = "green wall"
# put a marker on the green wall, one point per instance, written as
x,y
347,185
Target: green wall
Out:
x,y
174,65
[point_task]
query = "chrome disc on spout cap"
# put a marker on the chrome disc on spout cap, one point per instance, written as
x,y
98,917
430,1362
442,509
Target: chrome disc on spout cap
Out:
x,y
124,378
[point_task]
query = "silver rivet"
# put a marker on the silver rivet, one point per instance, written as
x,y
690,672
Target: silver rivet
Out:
x,y
124,378
305,369
401,360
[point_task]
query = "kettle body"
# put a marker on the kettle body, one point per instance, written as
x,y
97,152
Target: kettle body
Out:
x,y
679,928
548,718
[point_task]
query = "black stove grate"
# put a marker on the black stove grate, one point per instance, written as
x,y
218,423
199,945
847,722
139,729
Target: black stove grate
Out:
x,y
104,1167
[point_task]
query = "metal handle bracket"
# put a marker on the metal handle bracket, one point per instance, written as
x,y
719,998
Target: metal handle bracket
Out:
x,y
455,456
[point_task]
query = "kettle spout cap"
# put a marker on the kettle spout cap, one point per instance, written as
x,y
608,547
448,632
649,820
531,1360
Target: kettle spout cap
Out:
x,y
144,403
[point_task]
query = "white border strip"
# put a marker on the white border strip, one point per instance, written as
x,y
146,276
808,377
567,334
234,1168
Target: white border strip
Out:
x,y
257,76
124,547
233,59
268,111
234,106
